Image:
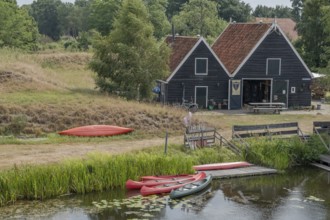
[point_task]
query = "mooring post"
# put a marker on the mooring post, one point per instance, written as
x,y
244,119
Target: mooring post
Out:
x,y
166,137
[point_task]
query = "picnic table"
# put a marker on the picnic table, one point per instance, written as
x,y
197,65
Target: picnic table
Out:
x,y
276,107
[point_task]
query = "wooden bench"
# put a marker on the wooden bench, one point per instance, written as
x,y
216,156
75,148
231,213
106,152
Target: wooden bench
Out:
x,y
268,130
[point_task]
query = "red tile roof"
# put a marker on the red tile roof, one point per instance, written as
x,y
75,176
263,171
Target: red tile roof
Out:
x,y
287,25
236,42
181,46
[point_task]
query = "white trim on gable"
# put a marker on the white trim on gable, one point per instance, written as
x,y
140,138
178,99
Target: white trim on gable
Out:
x,y
184,60
221,33
294,50
189,54
274,25
217,58
252,51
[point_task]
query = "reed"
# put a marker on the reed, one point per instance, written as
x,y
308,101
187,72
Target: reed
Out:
x,y
98,172
283,153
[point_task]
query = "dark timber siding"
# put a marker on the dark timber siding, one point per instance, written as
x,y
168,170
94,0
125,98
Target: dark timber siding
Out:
x,y
275,46
216,80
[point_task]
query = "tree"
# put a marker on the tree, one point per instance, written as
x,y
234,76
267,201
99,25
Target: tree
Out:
x,y
199,17
102,15
74,18
45,12
325,57
157,11
297,6
174,7
312,31
234,9
18,29
81,14
128,61
66,22
269,12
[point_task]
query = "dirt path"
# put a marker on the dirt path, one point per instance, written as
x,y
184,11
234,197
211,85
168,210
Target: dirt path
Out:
x,y
52,153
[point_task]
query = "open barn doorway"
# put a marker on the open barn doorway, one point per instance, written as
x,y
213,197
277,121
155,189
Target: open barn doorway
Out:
x,y
256,90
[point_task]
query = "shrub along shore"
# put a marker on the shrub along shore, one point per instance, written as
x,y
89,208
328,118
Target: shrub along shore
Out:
x,y
99,172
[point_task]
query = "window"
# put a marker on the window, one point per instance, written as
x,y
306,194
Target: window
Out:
x,y
273,66
201,66
293,89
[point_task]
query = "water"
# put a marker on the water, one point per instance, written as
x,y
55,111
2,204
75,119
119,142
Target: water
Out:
x,y
301,194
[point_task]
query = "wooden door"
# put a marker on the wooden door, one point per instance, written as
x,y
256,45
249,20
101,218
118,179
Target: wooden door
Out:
x,y
201,96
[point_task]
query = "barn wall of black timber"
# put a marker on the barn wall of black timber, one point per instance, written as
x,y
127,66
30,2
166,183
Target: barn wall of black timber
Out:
x,y
216,80
292,69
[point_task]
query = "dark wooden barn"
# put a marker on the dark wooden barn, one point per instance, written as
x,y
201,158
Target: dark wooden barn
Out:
x,y
197,74
263,66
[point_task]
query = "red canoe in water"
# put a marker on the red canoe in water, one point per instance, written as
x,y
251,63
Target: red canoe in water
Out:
x,y
131,184
222,166
166,188
96,131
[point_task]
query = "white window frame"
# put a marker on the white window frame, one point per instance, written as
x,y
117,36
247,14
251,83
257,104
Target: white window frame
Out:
x,y
293,89
207,66
280,63
207,94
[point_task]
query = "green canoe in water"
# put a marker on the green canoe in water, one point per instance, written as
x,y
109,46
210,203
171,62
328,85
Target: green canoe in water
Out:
x,y
191,188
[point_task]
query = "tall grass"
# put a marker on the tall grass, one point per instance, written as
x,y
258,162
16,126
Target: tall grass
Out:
x,y
98,172
283,153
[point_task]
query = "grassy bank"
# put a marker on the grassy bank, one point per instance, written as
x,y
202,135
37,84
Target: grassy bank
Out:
x,y
53,91
100,172
283,153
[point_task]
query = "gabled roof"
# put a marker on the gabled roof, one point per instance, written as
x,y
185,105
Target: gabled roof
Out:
x,y
287,25
181,46
237,41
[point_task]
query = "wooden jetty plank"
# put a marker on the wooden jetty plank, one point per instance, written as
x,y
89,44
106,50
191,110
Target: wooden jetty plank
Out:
x,y
240,172
321,166
325,158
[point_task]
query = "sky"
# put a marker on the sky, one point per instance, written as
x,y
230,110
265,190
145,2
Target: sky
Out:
x,y
253,3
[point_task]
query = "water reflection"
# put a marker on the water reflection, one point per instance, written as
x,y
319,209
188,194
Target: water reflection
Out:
x,y
302,193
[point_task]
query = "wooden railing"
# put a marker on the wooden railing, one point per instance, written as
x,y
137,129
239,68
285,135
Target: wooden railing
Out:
x,y
199,137
322,127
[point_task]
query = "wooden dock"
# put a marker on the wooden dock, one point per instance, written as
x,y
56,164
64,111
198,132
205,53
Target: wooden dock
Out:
x,y
240,172
324,162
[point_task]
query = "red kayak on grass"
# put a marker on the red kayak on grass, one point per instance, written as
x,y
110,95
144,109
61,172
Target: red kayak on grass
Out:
x,y
131,184
221,166
161,177
96,131
166,188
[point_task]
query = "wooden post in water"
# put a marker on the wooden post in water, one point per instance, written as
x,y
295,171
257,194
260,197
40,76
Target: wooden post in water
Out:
x,y
166,137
